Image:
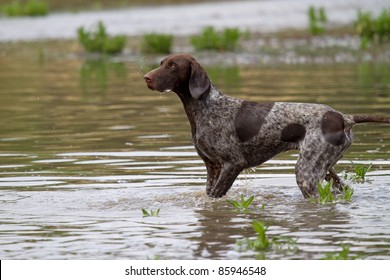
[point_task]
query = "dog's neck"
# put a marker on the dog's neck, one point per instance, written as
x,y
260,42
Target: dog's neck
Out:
x,y
212,95
193,106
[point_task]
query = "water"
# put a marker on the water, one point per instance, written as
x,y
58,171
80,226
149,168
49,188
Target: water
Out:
x,y
84,146
187,19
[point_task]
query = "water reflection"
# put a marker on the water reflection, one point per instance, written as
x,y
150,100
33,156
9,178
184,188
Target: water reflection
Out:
x,y
94,75
228,78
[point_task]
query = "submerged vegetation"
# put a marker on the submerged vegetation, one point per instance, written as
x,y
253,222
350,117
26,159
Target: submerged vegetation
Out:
x,y
367,26
371,29
29,8
98,40
326,195
153,43
211,39
347,193
151,213
342,255
242,205
262,243
317,20
359,175
360,172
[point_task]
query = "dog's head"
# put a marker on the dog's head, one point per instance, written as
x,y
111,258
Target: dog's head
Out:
x,y
181,74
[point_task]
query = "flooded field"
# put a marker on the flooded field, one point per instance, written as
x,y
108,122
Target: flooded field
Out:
x,y
85,146
184,17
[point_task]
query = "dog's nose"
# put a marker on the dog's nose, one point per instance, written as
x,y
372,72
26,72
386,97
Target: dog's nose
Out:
x,y
147,77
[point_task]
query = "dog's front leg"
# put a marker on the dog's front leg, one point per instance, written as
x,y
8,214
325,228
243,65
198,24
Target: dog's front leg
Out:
x,y
213,173
225,180
213,170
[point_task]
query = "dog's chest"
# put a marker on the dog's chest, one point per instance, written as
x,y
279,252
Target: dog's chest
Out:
x,y
215,133
216,125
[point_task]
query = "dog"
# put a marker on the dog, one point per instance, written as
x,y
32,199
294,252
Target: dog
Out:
x,y
231,134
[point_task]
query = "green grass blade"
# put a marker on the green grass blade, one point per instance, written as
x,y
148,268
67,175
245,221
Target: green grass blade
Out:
x,y
249,201
146,214
234,203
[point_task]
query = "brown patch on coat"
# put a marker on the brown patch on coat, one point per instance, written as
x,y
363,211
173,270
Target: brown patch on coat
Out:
x,y
332,126
250,118
293,133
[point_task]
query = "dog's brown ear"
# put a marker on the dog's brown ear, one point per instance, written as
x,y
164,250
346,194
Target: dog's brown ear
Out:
x,y
199,81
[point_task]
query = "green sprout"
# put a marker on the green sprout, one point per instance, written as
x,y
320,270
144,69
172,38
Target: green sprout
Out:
x,y
347,193
342,255
152,213
263,243
317,20
360,171
325,194
242,205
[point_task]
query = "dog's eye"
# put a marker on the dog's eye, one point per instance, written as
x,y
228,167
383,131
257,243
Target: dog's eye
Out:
x,y
172,65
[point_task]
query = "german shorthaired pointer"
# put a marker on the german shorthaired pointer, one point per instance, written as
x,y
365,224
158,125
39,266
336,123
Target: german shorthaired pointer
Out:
x,y
231,135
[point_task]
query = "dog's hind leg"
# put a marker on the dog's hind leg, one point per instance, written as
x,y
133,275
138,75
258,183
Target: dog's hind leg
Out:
x,y
315,163
338,184
308,174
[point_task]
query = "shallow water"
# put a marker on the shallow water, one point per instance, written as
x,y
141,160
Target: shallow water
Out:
x,y
84,146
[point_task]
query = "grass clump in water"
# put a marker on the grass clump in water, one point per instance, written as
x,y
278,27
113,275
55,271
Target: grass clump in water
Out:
x,y
342,255
372,29
263,243
361,171
326,196
317,20
359,174
347,193
98,40
152,213
30,8
210,39
242,205
153,43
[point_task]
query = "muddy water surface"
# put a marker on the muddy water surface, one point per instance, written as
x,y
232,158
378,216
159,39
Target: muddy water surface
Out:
x,y
84,146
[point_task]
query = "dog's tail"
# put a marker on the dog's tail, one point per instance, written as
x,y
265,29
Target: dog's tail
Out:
x,y
370,118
